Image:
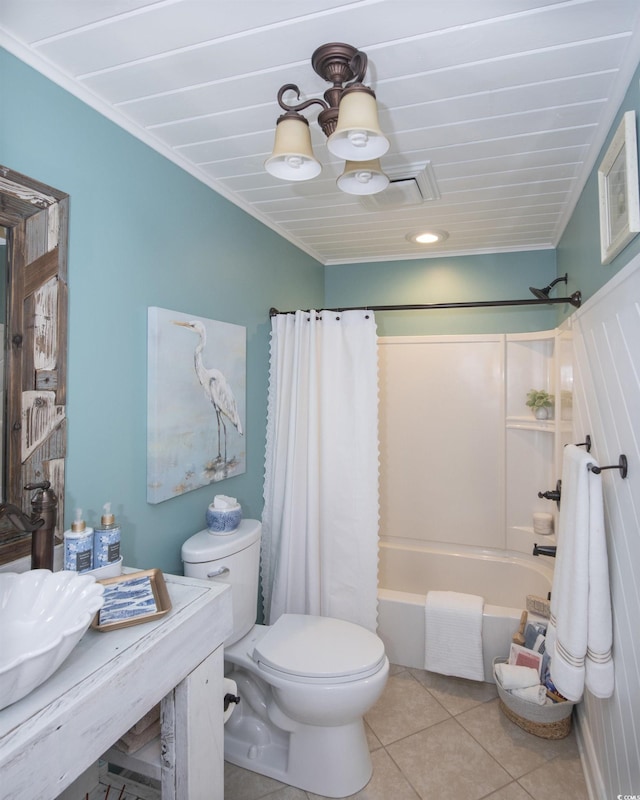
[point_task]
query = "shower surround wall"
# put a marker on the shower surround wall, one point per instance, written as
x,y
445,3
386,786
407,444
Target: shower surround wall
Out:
x,y
438,395
462,457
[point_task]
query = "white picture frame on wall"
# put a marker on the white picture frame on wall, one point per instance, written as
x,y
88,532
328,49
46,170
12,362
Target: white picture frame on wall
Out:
x,y
618,190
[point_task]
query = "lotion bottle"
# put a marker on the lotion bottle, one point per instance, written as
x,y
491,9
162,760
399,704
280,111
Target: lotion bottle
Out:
x,y
78,545
106,549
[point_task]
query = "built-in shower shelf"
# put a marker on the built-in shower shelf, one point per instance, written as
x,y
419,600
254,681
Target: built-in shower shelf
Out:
x,y
541,361
531,424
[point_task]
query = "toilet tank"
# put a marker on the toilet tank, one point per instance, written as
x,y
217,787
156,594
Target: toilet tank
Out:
x,y
232,558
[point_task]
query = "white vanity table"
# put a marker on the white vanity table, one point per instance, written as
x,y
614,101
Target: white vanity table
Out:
x,y
109,682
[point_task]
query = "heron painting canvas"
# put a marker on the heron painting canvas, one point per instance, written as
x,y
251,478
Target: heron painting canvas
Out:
x,y
196,402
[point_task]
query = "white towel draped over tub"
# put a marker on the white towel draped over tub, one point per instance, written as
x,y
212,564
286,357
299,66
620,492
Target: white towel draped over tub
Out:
x,y
579,636
453,634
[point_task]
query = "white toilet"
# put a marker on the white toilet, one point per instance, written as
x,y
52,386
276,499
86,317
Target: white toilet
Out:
x,y
305,682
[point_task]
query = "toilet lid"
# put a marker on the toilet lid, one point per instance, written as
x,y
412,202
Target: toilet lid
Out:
x,y
312,647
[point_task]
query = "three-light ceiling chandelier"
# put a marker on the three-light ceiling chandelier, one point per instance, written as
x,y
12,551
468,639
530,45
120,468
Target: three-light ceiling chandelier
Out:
x,y
349,118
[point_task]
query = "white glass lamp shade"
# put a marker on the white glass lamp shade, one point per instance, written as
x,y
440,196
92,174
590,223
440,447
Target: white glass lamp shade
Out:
x,y
363,177
292,158
357,136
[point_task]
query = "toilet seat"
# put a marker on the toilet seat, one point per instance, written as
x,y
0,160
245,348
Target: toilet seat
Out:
x,y
312,649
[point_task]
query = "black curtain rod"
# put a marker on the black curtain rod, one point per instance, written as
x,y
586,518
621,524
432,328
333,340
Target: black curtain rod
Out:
x,y
574,300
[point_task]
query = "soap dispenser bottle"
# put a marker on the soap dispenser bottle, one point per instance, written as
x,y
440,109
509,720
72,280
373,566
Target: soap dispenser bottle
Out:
x,y
106,539
78,545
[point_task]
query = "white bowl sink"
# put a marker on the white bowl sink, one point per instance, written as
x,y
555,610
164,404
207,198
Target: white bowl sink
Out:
x,y
43,616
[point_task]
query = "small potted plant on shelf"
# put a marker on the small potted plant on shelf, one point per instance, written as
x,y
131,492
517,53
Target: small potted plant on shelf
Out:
x,y
540,402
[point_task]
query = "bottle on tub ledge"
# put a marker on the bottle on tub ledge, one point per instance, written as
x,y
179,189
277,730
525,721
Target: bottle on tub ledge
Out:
x,y
78,545
106,538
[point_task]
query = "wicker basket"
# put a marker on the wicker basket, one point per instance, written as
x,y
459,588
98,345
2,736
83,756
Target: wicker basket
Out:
x,y
549,721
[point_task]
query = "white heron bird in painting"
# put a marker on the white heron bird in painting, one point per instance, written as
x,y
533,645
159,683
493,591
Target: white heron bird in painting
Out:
x,y
215,386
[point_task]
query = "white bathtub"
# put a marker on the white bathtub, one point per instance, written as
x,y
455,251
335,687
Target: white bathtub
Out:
x,y
409,569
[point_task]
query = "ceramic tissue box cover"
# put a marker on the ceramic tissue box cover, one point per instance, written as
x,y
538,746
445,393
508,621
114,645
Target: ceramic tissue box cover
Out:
x,y
223,515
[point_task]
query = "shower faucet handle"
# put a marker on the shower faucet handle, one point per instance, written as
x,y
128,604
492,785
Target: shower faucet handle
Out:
x,y
552,494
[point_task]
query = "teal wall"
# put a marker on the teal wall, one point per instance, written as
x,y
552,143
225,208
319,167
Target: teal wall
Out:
x,y
578,251
500,276
144,233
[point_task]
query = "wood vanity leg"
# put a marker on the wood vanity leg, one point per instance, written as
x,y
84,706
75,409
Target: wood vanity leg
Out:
x,y
193,735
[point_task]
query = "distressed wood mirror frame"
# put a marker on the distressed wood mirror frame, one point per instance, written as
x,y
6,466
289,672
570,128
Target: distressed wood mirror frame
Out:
x,y
36,217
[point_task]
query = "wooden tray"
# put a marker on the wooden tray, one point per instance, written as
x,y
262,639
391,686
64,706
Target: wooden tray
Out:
x,y
149,599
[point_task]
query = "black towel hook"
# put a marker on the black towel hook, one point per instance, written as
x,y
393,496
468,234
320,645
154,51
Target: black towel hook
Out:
x,y
621,465
586,443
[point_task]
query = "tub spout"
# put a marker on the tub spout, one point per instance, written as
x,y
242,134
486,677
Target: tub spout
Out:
x,y
544,550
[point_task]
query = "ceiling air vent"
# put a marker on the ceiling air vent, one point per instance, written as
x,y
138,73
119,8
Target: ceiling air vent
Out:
x,y
403,191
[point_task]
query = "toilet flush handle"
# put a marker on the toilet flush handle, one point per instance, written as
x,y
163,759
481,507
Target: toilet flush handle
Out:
x,y
217,573
229,699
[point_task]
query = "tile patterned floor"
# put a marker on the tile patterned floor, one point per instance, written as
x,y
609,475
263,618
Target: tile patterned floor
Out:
x,y
433,737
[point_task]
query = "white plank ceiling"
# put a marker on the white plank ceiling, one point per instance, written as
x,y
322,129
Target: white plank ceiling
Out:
x,y
506,101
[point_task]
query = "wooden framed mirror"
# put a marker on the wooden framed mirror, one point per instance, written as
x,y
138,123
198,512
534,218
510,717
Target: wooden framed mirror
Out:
x,y
36,220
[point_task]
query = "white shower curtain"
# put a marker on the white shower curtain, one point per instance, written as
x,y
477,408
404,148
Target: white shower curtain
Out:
x,y
320,519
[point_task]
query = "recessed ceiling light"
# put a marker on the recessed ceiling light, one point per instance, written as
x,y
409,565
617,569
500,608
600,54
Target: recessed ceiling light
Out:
x,y
427,237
